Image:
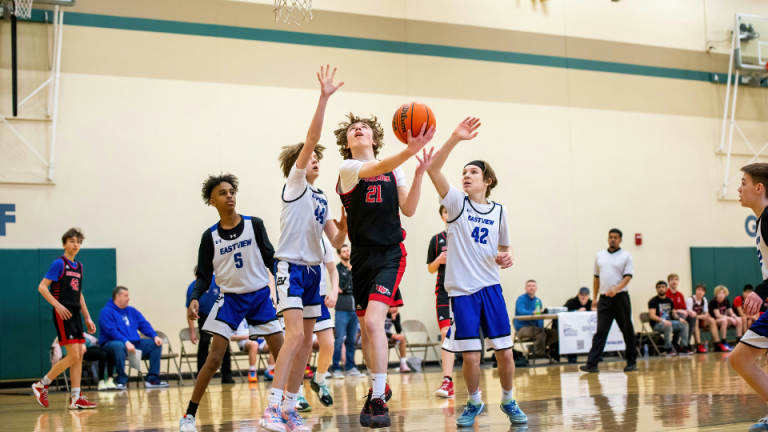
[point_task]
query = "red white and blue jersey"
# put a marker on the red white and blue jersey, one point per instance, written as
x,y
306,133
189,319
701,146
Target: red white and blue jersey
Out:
x,y
67,285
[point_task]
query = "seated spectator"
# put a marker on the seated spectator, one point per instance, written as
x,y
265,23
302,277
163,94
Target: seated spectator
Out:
x,y
253,348
720,309
680,308
393,321
206,302
120,325
664,318
528,304
697,303
580,303
746,321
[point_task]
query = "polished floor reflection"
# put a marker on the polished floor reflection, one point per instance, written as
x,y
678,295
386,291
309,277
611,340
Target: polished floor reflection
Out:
x,y
700,392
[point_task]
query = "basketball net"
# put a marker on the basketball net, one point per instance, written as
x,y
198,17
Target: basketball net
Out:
x,y
292,11
22,9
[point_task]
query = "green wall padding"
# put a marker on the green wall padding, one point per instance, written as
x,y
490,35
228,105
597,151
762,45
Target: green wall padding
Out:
x,y
733,267
31,317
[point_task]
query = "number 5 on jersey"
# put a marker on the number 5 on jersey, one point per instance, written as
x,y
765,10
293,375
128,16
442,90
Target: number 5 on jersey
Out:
x,y
238,260
479,234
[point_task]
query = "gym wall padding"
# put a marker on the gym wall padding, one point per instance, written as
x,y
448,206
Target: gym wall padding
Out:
x,y
733,267
26,318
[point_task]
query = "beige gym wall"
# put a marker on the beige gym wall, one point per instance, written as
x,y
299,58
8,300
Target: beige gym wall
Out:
x,y
145,116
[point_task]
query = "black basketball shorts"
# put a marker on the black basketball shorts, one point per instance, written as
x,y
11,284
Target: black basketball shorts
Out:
x,y
69,331
376,275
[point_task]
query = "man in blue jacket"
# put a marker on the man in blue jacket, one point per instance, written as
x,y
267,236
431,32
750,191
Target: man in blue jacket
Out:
x,y
119,326
529,304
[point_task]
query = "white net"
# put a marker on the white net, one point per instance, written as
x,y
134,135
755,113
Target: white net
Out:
x,y
22,9
293,11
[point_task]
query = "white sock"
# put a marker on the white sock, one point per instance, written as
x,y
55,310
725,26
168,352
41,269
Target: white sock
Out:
x,y
270,367
45,381
475,397
506,395
301,390
252,368
75,393
275,396
319,379
402,362
290,401
379,384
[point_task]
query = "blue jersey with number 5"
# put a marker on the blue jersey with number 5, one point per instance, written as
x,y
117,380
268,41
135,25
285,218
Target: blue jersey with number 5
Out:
x,y
475,232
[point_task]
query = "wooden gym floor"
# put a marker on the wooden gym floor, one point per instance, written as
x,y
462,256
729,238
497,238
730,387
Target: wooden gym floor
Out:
x,y
699,392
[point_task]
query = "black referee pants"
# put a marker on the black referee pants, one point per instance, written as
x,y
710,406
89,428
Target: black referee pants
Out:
x,y
616,308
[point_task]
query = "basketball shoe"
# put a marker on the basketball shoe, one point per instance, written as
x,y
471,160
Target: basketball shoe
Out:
x,y
271,420
187,424
515,414
472,410
41,394
446,389
81,403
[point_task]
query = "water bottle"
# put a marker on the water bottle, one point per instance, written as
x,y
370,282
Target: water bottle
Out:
x,y
645,351
538,308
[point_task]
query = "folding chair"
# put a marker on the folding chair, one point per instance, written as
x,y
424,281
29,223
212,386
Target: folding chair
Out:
x,y
185,336
415,327
525,349
646,331
170,355
235,354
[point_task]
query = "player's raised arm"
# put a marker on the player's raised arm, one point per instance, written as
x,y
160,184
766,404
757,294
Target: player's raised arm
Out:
x,y
466,130
388,164
327,88
337,231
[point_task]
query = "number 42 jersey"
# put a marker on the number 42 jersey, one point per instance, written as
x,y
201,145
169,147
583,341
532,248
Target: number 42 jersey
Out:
x,y
475,232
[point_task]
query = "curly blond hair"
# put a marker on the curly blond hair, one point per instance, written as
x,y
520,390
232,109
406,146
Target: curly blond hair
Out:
x,y
721,288
372,122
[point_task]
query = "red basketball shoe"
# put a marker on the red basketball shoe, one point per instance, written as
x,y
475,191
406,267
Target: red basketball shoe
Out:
x,y
81,403
41,393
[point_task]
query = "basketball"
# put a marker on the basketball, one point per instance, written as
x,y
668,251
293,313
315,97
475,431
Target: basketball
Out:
x,y
412,116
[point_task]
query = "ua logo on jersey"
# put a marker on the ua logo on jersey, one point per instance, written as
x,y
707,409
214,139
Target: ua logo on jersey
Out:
x,y
320,214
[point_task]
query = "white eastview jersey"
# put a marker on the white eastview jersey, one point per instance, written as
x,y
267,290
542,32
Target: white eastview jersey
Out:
x,y
237,263
327,258
475,232
303,216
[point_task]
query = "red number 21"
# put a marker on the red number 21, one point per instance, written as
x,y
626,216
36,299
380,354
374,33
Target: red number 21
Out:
x,y
374,194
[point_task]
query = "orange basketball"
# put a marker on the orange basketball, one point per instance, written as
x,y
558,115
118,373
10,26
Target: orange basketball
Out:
x,y
410,117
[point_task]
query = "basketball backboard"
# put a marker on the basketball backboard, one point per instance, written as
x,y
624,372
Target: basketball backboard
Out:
x,y
751,52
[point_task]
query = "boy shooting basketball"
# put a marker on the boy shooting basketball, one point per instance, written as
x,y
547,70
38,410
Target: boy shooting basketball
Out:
x,y
479,239
753,194
374,192
65,277
303,219
238,251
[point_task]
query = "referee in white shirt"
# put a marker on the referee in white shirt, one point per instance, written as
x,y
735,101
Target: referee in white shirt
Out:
x,y
613,270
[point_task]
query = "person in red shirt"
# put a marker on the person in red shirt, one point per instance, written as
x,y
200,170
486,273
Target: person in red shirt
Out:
x,y
679,305
738,302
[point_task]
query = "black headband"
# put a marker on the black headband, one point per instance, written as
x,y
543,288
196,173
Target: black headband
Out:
x,y
478,163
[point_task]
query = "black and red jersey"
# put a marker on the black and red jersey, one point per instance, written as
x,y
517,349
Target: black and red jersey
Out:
x,y
438,245
67,288
373,212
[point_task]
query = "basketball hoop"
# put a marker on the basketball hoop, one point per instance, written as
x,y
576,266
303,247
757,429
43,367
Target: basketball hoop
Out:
x,y
290,11
22,9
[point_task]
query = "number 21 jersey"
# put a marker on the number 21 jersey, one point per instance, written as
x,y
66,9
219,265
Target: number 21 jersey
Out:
x,y
475,231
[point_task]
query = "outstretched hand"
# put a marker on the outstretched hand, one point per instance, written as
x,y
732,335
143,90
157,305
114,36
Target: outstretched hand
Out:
x,y
341,224
418,142
467,129
426,161
327,88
